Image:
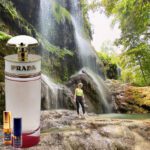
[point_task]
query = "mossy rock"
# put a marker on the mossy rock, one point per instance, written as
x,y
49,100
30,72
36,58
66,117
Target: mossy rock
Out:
x,y
4,36
138,98
60,13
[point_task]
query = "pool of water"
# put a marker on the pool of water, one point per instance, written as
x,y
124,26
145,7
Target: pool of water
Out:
x,y
126,116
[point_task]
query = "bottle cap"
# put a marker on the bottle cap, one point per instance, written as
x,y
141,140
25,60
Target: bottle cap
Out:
x,y
7,119
17,126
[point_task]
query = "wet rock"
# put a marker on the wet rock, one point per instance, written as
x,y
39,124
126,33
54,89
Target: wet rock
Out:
x,y
97,96
55,96
93,133
129,99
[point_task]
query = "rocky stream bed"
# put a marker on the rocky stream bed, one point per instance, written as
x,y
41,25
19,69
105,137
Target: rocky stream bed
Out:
x,y
63,130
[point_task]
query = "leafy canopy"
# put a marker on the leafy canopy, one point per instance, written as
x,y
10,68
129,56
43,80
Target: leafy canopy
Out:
x,y
134,19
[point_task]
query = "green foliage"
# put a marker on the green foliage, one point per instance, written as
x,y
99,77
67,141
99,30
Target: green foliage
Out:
x,y
136,62
87,25
9,13
60,53
95,5
60,13
128,76
133,16
104,57
4,36
65,76
110,64
15,22
9,6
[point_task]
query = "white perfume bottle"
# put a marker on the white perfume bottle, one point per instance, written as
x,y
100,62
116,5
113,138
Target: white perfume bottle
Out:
x,y
23,88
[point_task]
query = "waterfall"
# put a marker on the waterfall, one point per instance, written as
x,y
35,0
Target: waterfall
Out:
x,y
50,90
101,88
51,93
87,54
55,96
45,17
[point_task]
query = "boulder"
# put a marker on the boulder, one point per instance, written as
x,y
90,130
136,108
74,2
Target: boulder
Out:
x,y
55,96
97,95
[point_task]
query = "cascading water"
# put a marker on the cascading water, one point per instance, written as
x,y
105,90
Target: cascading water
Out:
x,y
87,54
45,17
50,90
101,88
54,96
51,93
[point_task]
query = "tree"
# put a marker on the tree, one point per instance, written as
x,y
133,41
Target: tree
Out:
x,y
110,64
133,16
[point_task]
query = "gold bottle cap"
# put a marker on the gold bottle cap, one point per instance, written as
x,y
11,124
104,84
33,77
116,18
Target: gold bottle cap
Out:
x,y
6,120
22,52
22,42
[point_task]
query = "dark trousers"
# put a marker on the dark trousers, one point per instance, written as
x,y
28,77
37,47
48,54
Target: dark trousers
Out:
x,y
79,100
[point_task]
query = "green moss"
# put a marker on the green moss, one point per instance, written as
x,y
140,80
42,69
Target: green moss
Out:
x,y
65,76
9,6
60,13
21,24
11,16
3,27
85,10
60,53
15,22
4,36
138,99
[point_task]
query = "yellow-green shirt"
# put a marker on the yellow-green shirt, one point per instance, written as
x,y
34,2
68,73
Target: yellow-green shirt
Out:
x,y
79,92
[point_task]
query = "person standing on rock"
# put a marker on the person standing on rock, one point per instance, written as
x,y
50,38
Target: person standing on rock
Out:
x,y
79,99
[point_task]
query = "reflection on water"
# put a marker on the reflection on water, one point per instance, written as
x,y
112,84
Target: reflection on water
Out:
x,y
126,116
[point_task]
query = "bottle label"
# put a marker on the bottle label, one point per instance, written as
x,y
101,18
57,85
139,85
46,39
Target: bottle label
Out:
x,y
23,68
17,141
7,136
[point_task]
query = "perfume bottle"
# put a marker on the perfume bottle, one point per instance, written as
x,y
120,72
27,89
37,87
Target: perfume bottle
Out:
x,y
17,133
23,87
7,128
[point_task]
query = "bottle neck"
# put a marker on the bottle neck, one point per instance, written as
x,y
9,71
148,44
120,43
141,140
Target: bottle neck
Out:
x,y
22,54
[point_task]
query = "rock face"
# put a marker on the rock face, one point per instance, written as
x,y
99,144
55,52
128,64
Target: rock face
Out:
x,y
58,50
97,96
62,130
29,9
22,17
55,96
129,99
